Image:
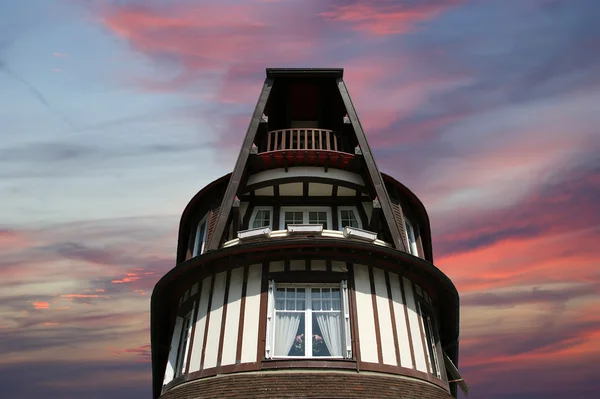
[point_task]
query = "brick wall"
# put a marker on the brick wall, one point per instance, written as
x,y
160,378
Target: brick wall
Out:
x,y
310,384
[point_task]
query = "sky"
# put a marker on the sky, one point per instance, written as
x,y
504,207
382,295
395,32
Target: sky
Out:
x,y
114,113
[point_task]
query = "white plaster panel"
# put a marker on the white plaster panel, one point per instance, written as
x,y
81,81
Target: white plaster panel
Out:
x,y
346,192
276,266
337,266
251,315
297,264
265,191
415,331
200,325
365,315
292,189
319,265
388,347
308,171
401,327
320,189
214,324
170,370
232,321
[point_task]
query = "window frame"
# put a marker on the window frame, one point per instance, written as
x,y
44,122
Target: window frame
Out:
x,y
346,329
429,331
305,210
413,248
197,241
356,214
184,344
255,213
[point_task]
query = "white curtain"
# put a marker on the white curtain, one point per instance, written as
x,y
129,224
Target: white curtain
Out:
x,y
286,326
330,326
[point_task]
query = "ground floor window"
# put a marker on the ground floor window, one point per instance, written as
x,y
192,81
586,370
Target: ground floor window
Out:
x,y
182,350
431,338
308,321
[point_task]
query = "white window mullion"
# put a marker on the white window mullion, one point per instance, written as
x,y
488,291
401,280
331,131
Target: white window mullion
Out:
x,y
270,320
346,323
308,324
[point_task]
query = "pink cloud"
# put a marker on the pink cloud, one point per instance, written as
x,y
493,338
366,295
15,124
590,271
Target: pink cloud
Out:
x,y
387,17
41,305
59,55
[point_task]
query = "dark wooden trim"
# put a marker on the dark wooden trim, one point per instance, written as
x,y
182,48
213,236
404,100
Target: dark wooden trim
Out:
x,y
276,190
410,341
262,318
421,329
185,308
271,364
334,190
276,215
207,324
307,265
223,318
306,276
353,314
248,215
296,200
305,179
385,368
329,266
419,241
334,217
393,317
374,174
286,266
240,167
305,189
240,335
210,372
375,315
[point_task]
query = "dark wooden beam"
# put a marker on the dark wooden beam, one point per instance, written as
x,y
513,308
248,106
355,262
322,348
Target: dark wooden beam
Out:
x,y
372,169
240,167
374,225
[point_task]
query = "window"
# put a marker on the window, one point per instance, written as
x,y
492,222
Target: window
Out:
x,y
348,217
182,351
430,337
410,236
261,217
305,215
308,321
200,238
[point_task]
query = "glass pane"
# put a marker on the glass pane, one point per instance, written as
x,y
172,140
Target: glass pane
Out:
x,y
335,293
316,293
327,337
290,305
316,304
280,304
289,334
300,293
326,293
300,304
336,304
280,293
326,305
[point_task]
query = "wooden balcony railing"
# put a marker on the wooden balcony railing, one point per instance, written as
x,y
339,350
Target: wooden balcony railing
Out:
x,y
302,139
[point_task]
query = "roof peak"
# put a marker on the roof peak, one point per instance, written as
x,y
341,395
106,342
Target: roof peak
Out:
x,y
305,72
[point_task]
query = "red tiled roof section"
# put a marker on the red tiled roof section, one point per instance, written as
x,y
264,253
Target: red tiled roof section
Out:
x,y
286,384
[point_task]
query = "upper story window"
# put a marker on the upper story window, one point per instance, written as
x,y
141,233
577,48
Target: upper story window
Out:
x,y
431,338
308,321
305,215
410,236
262,216
184,345
200,241
348,217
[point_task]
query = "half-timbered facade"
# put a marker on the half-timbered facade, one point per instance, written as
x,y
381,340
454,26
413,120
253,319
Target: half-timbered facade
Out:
x,y
305,272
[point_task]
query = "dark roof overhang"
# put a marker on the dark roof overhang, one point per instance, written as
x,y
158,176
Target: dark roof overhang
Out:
x,y
305,72
257,252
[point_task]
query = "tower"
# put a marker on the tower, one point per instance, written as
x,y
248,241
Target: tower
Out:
x,y
305,272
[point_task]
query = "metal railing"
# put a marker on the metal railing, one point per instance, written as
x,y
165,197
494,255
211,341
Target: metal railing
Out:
x,y
302,139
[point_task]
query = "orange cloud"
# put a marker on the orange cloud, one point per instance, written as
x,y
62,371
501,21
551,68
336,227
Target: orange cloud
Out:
x,y
41,305
387,18
51,324
73,296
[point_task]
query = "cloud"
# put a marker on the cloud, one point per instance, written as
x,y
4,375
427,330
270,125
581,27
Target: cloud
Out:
x,y
41,305
60,55
387,17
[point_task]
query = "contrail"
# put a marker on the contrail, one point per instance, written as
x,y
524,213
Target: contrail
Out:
x,y
36,93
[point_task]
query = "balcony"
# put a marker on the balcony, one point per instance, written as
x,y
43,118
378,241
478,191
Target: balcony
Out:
x,y
304,146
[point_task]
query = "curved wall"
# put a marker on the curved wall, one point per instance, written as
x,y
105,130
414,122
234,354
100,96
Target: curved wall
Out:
x,y
228,318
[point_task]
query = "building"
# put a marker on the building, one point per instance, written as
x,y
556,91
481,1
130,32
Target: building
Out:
x,y
305,272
